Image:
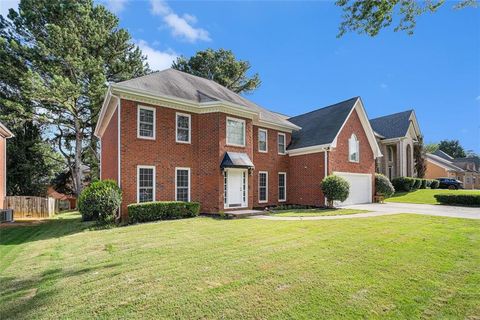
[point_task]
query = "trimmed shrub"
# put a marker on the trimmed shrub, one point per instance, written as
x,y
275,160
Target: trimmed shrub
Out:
x,y
459,199
100,201
417,183
335,188
403,183
428,183
162,210
383,186
423,184
434,184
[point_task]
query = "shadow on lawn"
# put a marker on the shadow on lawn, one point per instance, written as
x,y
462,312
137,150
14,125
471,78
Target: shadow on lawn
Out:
x,y
20,296
49,229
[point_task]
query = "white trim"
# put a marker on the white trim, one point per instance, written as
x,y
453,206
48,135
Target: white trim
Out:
x,y
4,132
284,143
119,133
266,187
308,150
139,107
177,114
266,140
189,182
325,158
5,173
244,132
154,180
285,186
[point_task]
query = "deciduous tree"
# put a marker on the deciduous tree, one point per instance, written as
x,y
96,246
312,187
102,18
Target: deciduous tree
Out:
x,y
453,148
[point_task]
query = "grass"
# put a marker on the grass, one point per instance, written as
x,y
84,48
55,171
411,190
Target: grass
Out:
x,y
401,266
315,212
425,196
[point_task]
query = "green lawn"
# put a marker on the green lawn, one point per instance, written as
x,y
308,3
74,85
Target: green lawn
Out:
x,y
400,266
315,212
425,196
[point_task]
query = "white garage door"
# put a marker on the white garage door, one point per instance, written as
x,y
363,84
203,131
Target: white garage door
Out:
x,y
360,187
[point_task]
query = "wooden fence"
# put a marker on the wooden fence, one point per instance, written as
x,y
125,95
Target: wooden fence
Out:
x,y
30,207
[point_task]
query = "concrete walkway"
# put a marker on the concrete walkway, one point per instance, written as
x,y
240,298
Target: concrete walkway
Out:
x,y
389,209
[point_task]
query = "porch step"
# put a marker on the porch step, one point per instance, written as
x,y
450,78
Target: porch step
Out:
x,y
237,214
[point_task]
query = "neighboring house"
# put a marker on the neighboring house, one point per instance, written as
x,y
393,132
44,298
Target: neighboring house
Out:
x,y
4,135
396,136
63,201
173,136
442,165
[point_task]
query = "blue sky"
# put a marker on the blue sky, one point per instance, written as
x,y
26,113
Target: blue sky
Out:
x,y
303,66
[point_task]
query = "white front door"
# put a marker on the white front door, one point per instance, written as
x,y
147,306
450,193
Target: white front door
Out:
x,y
236,188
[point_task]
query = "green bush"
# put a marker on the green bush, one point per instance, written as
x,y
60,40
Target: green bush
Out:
x,y
417,183
100,201
423,185
335,188
459,199
428,183
403,183
162,210
434,184
383,186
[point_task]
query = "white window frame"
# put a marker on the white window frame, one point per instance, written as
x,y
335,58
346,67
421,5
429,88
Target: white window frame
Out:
x,y
139,107
266,140
189,182
179,114
284,143
244,132
138,180
357,146
266,187
285,186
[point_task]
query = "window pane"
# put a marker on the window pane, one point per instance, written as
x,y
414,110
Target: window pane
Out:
x,y
281,143
183,128
146,177
146,195
146,123
182,185
281,186
262,190
183,122
182,135
146,115
235,131
262,140
145,183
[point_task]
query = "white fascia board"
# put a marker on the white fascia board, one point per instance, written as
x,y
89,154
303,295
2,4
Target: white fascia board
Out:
x,y
308,150
4,132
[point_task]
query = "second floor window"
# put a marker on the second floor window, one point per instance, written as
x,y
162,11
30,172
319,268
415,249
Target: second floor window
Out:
x,y
183,128
146,122
353,149
236,132
262,140
281,143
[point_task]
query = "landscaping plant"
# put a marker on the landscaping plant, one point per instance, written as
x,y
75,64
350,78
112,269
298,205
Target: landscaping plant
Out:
x,y
417,183
434,184
335,188
100,201
162,210
459,199
403,183
383,186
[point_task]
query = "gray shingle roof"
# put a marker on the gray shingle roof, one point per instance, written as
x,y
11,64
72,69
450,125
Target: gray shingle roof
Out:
x,y
174,83
320,126
445,162
392,126
443,155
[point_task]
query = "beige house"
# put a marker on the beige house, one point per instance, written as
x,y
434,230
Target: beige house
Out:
x,y
4,135
396,136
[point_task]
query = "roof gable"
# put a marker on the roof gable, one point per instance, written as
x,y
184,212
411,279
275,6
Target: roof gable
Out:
x,y
443,155
444,163
394,125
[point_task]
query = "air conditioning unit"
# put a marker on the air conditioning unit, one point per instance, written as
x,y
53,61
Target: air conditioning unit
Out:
x,y
6,215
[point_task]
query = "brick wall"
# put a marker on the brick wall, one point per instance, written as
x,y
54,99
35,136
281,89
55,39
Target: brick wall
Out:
x,y
306,173
3,174
109,154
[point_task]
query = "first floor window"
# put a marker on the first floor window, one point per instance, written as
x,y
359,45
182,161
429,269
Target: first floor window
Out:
x,y
390,172
236,132
281,143
146,122
183,127
262,186
282,186
183,184
146,183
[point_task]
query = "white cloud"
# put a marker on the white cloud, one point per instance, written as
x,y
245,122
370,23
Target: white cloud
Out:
x,y
5,5
116,6
181,26
383,85
157,60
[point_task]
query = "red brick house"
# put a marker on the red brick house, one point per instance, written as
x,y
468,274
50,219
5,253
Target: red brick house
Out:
x,y
4,135
173,136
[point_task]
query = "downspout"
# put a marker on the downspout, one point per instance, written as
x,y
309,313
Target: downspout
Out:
x,y
119,132
326,172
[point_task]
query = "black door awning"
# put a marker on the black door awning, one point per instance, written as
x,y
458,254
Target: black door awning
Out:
x,y
236,160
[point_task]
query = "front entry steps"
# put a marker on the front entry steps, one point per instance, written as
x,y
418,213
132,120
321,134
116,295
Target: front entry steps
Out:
x,y
237,214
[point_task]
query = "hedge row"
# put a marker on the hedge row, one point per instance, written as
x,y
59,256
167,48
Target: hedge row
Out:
x,y
408,184
459,199
162,210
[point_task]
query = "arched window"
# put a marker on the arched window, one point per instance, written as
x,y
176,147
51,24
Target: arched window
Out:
x,y
390,154
353,149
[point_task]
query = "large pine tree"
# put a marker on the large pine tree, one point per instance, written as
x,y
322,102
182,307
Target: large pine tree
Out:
x,y
69,51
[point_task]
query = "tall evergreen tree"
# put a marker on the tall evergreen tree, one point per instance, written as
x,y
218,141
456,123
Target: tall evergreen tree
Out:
x,y
70,50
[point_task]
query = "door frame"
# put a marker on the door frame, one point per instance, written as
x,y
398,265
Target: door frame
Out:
x,y
225,188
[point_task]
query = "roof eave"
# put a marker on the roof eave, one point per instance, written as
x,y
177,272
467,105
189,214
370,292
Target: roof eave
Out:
x,y
4,132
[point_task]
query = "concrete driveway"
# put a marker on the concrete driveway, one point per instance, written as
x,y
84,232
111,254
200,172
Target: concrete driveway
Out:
x,y
425,209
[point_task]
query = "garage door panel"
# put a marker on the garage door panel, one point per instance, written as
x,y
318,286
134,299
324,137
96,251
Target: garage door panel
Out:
x,y
360,188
